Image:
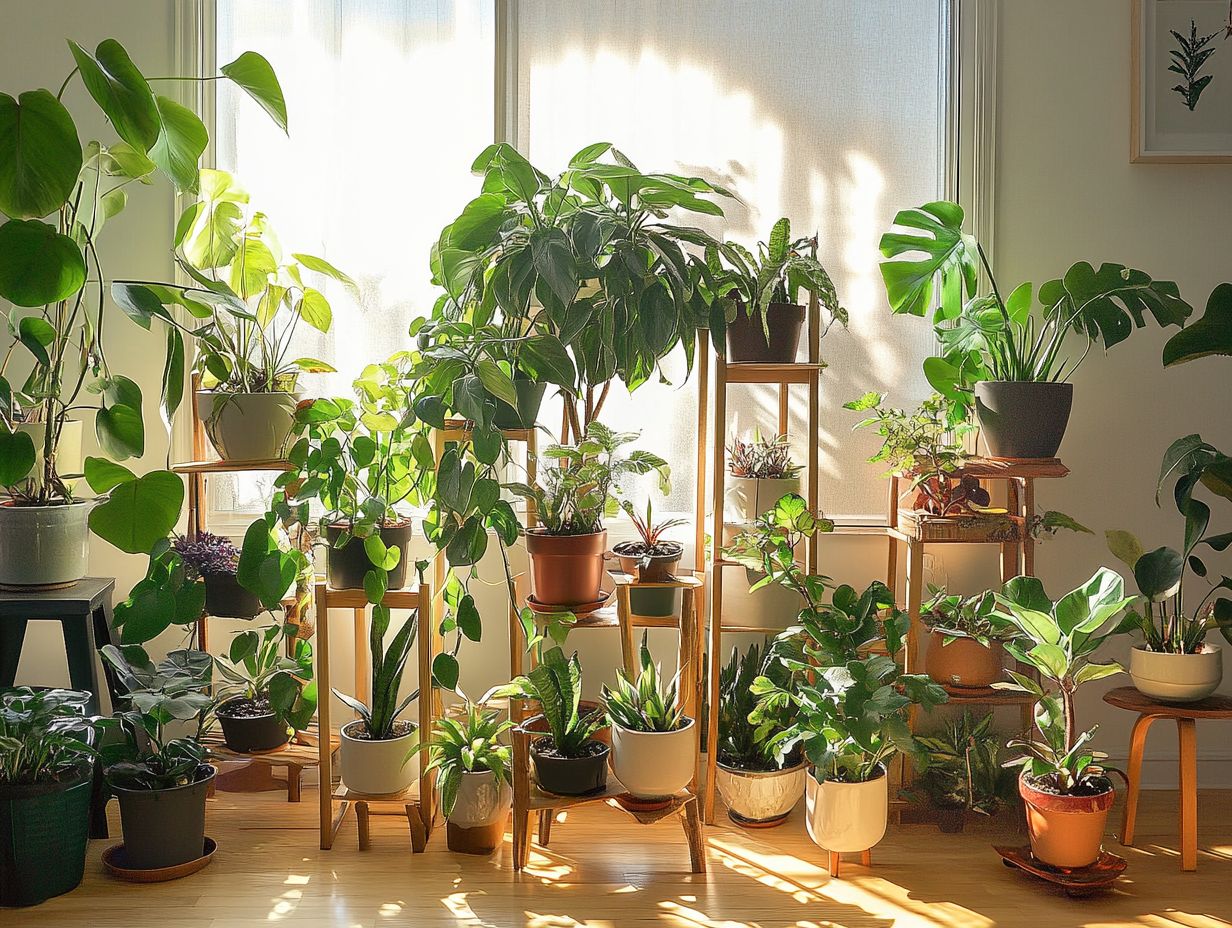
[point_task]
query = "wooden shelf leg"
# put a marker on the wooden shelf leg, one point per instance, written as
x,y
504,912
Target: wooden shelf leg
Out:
x,y
545,826
714,658
692,823
866,857
1137,744
325,757
835,863
419,828
295,776
361,821
915,597
1188,737
521,839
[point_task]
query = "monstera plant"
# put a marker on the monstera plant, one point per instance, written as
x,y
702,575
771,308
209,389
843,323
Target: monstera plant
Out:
x,y
57,195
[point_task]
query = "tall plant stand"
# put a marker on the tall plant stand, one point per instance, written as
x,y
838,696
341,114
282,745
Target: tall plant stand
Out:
x,y
418,801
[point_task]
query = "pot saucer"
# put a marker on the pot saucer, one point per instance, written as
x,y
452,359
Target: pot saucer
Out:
x,y
1076,881
115,863
579,609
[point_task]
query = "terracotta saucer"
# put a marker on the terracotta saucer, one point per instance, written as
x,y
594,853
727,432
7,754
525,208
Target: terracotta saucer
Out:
x,y
580,609
631,803
757,823
1076,881
115,864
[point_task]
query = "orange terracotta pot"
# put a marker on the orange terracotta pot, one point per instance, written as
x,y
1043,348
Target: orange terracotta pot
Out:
x,y
566,570
1066,831
964,661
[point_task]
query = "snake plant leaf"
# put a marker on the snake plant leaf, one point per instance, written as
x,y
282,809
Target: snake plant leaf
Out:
x,y
38,265
947,251
40,154
1109,303
1212,334
121,91
253,74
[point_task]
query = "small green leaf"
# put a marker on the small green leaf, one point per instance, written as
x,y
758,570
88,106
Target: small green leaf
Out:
x,y
38,265
102,475
255,76
17,456
445,671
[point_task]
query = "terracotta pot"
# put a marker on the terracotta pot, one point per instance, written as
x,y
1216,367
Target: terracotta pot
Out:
x,y
654,764
760,798
746,341
847,817
1020,419
1176,678
566,570
964,661
1066,831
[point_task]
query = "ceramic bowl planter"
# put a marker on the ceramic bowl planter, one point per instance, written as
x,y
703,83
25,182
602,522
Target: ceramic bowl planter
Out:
x,y
164,827
760,798
378,768
247,426
570,776
1066,831
1021,419
480,812
44,829
746,498
661,568
746,340
566,570
847,817
44,547
251,728
1176,677
654,764
345,567
964,662
530,398
226,599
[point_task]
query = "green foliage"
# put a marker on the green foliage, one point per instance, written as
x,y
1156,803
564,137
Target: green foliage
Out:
x,y
388,665
652,532
556,684
256,668
1188,59
1212,334
742,744
954,616
44,735
761,458
964,769
468,746
646,703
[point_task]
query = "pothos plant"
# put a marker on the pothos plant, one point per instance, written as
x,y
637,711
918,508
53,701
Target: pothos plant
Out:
x,y
256,670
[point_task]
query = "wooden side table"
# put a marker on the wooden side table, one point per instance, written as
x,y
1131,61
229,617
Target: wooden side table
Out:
x,y
1149,711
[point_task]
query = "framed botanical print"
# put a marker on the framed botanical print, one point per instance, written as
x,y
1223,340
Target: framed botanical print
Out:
x,y
1181,60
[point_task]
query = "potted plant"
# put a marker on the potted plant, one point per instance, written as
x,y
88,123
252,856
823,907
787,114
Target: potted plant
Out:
x,y
654,744
56,196
964,772
567,549
161,781
965,640
568,761
46,774
1063,780
653,559
214,560
267,695
761,472
1003,356
380,752
760,295
476,793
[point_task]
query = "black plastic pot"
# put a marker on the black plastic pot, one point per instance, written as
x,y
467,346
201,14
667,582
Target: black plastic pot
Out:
x,y
746,342
661,568
345,567
1023,419
569,776
44,829
252,734
530,398
164,827
226,599
951,821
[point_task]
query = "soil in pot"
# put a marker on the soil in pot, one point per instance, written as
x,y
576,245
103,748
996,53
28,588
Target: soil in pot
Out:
x,y
1020,419
1067,830
570,776
43,547
164,827
530,398
249,726
566,570
345,567
657,565
226,599
963,662
44,828
746,340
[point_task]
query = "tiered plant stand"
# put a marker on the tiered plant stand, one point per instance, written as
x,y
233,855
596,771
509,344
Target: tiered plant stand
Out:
x,y
528,797
258,775
417,802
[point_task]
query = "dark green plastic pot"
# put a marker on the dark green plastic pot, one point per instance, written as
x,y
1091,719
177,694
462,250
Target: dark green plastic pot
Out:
x,y
569,776
347,566
44,828
530,398
226,599
164,827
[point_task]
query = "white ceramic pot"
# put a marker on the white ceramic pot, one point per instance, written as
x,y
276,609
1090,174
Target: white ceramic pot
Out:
x,y
1176,677
654,764
481,800
746,498
378,768
68,455
760,797
247,426
44,546
847,817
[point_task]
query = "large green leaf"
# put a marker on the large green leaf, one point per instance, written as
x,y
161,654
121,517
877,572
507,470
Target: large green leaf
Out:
x,y
121,92
946,249
103,475
1158,573
181,142
120,431
554,263
16,456
543,357
40,154
140,512
38,265
1212,334
1107,304
256,77
477,224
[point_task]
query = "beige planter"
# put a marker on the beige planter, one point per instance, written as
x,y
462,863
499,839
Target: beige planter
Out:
x,y
746,498
481,800
44,546
1176,677
847,817
247,426
378,768
68,456
654,764
760,798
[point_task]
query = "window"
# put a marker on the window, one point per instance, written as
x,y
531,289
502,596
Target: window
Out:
x,y
831,113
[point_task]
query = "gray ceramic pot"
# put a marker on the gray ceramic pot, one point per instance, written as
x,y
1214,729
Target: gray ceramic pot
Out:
x,y
1019,419
44,546
247,426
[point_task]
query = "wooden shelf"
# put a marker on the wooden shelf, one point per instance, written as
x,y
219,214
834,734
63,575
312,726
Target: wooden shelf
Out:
x,y
460,430
230,467
755,373
986,696
539,799
1013,468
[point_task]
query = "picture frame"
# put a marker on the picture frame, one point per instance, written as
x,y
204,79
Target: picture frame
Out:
x,y
1181,80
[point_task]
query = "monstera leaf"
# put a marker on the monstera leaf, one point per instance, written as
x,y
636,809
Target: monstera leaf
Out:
x,y
1107,304
945,249
1212,334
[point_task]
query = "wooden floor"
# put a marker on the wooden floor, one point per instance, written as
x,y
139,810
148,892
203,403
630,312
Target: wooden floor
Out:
x,y
604,870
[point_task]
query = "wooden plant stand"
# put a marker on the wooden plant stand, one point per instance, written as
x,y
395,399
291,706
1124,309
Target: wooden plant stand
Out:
x,y
835,861
258,775
418,802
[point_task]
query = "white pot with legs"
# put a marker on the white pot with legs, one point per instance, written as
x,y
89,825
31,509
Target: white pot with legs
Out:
x,y
847,817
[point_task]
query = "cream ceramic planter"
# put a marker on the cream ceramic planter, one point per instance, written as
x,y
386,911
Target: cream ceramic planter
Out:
x,y
1176,677
654,764
481,801
247,426
44,546
760,797
746,498
377,768
847,817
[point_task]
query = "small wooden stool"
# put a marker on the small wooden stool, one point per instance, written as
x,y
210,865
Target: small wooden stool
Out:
x,y
1185,714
